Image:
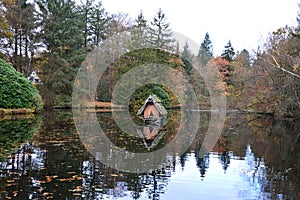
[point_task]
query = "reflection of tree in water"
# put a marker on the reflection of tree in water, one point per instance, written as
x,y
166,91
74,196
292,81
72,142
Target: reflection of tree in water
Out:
x,y
55,164
183,158
21,170
202,163
16,131
225,160
100,181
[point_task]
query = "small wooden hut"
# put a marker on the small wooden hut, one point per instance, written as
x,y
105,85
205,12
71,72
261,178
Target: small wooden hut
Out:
x,y
153,109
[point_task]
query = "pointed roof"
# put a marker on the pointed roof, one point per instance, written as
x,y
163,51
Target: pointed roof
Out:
x,y
150,143
157,103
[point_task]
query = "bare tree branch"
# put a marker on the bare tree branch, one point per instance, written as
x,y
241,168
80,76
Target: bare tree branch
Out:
x,y
281,68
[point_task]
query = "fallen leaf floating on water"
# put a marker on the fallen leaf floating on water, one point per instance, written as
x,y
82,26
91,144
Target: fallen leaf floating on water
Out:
x,y
48,179
11,184
71,172
114,175
70,179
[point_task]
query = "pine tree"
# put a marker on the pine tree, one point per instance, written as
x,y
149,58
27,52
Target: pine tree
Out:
x,y
140,21
98,23
160,35
95,20
187,58
228,53
206,50
62,27
139,36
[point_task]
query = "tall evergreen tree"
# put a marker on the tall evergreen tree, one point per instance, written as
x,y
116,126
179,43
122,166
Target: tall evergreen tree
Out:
x,y
98,24
187,58
95,22
161,36
139,33
206,50
86,10
228,53
140,21
62,28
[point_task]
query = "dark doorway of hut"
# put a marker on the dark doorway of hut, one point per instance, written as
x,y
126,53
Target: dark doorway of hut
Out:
x,y
154,116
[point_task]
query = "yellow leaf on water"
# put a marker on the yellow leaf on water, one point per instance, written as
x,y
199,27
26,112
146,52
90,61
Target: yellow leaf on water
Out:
x,y
11,184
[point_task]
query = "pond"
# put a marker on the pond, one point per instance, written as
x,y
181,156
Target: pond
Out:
x,y
256,157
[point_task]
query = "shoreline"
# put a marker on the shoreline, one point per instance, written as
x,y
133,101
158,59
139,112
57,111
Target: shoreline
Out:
x,y
16,111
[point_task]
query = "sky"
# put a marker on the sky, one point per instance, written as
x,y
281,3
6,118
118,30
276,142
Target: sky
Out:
x,y
246,23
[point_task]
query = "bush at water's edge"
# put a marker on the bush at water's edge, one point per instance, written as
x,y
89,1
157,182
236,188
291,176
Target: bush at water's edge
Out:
x,y
16,92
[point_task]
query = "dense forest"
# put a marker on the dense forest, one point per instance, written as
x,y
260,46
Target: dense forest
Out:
x,y
54,38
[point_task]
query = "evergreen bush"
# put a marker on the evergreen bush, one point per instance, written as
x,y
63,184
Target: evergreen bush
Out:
x,y
16,91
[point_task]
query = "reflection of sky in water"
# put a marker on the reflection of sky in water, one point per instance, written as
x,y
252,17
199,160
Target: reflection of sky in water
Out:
x,y
237,182
243,179
55,164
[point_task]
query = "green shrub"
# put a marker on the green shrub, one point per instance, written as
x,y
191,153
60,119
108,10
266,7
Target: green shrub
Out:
x,y
16,91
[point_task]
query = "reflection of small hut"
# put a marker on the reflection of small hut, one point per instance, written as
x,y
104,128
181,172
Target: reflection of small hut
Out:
x,y
151,135
153,109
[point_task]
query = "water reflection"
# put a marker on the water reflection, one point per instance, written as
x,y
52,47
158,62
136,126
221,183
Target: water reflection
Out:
x,y
15,131
255,158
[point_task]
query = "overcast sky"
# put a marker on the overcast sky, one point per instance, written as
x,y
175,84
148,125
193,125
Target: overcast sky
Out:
x,y
245,22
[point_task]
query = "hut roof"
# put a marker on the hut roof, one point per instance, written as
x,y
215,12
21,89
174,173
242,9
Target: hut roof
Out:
x,y
151,143
157,103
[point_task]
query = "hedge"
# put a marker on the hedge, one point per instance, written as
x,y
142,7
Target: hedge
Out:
x,y
16,91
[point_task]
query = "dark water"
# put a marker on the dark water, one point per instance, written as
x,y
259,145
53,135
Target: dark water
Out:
x,y
256,157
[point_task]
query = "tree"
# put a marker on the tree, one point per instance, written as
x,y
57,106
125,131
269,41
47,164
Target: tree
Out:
x,y
138,32
244,58
186,57
160,34
16,91
228,53
5,33
222,65
205,51
97,23
118,23
140,21
282,58
239,79
62,28
86,10
21,19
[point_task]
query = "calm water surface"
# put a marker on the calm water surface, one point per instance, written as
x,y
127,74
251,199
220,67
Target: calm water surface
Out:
x,y
256,157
